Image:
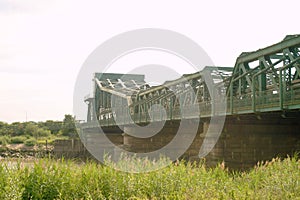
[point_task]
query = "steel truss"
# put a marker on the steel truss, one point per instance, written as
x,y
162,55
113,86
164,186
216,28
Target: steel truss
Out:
x,y
261,81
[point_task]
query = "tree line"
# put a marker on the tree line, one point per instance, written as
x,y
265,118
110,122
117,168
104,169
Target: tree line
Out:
x,y
36,130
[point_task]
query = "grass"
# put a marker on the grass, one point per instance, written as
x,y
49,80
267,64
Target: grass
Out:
x,y
4,140
18,139
29,140
50,179
50,140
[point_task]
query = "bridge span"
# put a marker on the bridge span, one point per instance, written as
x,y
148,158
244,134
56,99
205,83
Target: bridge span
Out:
x,y
259,99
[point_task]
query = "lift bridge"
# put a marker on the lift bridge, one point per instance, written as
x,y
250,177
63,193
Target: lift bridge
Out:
x,y
259,96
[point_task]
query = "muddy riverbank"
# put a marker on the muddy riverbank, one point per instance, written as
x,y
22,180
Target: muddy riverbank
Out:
x,y
23,151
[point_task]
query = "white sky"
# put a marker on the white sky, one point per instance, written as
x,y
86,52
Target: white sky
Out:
x,y
43,43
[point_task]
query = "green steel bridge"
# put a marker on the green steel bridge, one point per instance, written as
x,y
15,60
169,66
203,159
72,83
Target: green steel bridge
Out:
x,y
262,81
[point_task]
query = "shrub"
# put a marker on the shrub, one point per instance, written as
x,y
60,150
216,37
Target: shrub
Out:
x,y
30,142
18,139
4,140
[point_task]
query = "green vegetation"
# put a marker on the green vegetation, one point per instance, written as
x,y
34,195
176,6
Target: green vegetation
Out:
x,y
30,142
4,140
31,133
68,126
18,139
49,179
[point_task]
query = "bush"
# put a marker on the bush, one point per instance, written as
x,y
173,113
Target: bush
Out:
x,y
18,139
30,142
4,140
43,133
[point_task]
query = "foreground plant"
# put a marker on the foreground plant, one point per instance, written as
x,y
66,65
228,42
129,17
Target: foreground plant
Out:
x,y
52,179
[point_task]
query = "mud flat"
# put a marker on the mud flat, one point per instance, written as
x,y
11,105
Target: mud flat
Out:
x,y
23,151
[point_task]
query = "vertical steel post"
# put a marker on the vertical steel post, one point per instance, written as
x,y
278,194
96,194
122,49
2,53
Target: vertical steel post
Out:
x,y
253,95
231,98
280,90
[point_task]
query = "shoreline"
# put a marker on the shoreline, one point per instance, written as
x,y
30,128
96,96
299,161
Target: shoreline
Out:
x,y
25,152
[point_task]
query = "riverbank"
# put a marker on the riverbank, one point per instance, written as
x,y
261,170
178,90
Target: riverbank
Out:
x,y
24,151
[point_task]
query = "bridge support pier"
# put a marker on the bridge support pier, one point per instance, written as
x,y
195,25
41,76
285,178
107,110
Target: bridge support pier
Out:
x,y
164,137
96,142
245,142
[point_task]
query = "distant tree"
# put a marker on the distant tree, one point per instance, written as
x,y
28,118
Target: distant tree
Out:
x,y
4,128
17,128
31,129
2,124
68,127
53,126
35,131
43,132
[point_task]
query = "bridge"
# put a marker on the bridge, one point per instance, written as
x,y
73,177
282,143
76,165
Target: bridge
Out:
x,y
259,98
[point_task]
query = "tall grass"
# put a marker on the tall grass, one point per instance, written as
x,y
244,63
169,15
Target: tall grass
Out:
x,y
50,179
18,139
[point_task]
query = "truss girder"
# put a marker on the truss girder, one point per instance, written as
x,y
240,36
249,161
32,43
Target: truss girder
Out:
x,y
263,74
261,81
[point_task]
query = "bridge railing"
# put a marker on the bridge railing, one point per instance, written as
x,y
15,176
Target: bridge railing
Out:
x,y
291,98
264,101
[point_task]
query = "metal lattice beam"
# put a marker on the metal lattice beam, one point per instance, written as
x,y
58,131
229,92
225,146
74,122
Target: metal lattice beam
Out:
x,y
265,80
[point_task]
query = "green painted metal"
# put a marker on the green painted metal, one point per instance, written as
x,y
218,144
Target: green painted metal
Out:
x,y
266,80
271,77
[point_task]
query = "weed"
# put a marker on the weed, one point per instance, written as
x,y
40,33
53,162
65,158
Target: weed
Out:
x,y
52,179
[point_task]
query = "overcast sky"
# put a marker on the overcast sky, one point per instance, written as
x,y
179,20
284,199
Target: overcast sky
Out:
x,y
43,43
